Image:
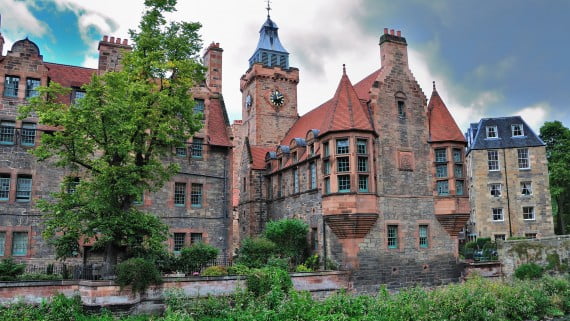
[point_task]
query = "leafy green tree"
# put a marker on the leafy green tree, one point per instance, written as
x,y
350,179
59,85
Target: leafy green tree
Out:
x,y
290,236
117,138
557,139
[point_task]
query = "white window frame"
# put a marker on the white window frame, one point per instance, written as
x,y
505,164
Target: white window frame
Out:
x,y
497,187
530,215
523,159
495,161
492,130
497,211
515,128
528,186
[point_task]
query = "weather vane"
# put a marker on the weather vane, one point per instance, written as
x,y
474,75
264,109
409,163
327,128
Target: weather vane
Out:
x,y
268,7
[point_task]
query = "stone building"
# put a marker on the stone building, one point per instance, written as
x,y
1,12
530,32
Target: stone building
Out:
x,y
376,171
508,172
195,204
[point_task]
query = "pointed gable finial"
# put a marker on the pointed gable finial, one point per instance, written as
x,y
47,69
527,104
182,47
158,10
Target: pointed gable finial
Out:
x,y
268,7
434,85
344,69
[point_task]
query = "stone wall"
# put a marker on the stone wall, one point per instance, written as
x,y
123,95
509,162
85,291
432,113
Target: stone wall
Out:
x,y
96,295
552,249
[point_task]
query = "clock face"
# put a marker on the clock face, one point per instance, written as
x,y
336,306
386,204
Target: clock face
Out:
x,y
277,98
248,101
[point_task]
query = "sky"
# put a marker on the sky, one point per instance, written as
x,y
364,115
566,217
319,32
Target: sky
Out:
x,y
488,58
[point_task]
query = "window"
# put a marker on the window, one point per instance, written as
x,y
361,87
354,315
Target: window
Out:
x,y
458,170
20,244
76,95
326,150
28,134
327,185
343,183
493,160
423,233
197,147
361,146
11,86
401,109
526,188
295,180
196,195
495,189
199,107
179,194
498,214
24,188
517,130
441,170
181,151
442,188
523,158
363,183
314,239
457,155
2,243
342,146
528,213
363,164
342,164
294,157
4,187
392,236
313,175
195,238
459,187
530,235
440,155
492,132
327,167
72,183
7,132
311,150
179,240
32,87
501,237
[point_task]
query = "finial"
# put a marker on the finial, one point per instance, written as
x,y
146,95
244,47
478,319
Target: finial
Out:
x,y
343,69
268,7
434,85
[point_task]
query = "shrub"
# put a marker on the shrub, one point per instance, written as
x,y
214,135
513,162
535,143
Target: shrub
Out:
x,y
238,269
279,263
9,269
290,236
193,258
38,276
528,271
313,262
303,268
215,271
261,281
166,262
139,273
254,252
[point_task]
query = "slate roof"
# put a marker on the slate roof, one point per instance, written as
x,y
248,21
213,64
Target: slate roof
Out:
x,y
343,112
478,140
442,126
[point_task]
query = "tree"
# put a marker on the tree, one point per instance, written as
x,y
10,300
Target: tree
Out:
x,y
557,139
290,236
118,136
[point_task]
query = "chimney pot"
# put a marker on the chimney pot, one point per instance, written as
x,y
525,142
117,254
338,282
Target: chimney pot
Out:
x,y
112,40
385,31
125,42
118,41
399,33
392,32
105,38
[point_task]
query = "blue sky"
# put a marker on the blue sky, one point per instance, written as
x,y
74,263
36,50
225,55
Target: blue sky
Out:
x,y
488,58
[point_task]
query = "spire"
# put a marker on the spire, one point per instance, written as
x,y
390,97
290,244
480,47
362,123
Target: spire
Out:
x,y
343,69
270,52
434,86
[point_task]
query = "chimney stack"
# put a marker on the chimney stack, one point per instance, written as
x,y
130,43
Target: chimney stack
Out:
x,y
393,48
213,63
110,52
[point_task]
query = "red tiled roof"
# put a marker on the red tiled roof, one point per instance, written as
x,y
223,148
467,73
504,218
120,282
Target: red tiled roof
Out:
x,y
442,125
218,124
258,156
362,88
69,76
342,112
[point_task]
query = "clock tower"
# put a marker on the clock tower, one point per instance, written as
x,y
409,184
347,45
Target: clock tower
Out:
x,y
269,90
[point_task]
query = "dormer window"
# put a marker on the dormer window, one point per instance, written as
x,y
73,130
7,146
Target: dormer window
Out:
x,y
517,130
492,132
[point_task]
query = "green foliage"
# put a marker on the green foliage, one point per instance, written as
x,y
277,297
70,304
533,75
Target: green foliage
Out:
x,y
238,269
215,271
58,308
194,257
313,262
262,281
290,236
303,268
138,273
528,271
118,135
279,263
38,276
255,252
9,269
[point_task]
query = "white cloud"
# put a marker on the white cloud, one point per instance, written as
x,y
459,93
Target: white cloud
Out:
x,y
534,115
19,21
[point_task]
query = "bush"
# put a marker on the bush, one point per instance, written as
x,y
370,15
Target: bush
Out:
x,y
166,262
255,252
238,269
193,258
261,281
139,273
215,271
313,262
528,271
38,276
303,268
9,269
290,236
279,263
